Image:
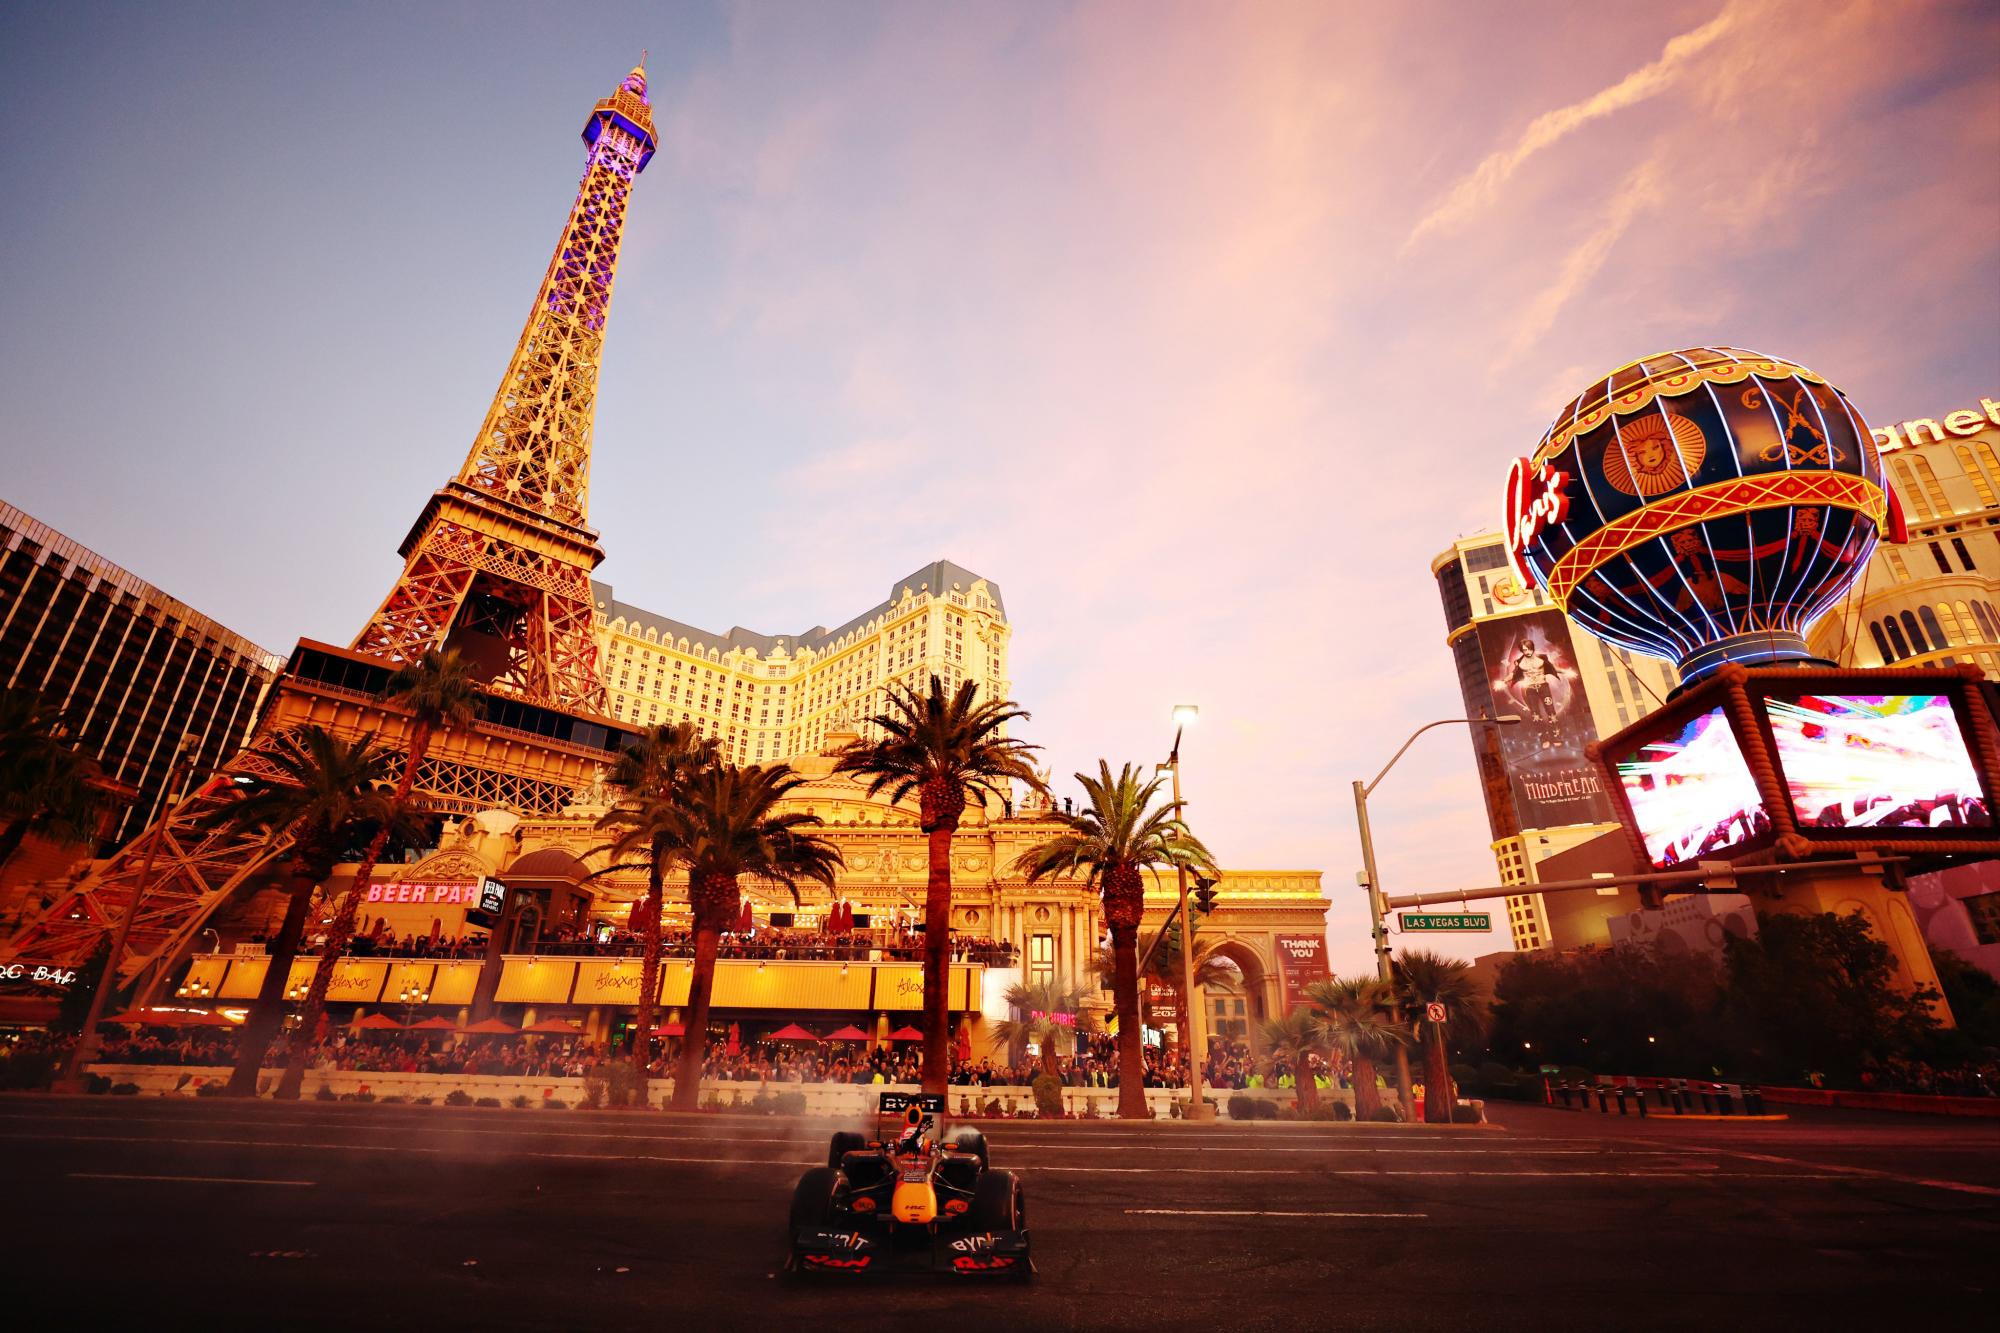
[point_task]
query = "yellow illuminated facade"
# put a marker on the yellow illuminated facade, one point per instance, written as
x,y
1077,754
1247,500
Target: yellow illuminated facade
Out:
x,y
771,697
1936,600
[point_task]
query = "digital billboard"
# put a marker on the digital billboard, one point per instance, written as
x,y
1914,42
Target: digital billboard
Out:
x,y
1875,761
1531,674
1691,792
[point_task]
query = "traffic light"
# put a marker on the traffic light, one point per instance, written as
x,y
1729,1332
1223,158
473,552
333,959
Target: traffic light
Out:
x,y
1204,894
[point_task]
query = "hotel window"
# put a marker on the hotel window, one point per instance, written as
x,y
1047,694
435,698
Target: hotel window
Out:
x,y
1902,647
1041,959
1964,556
1931,627
1985,913
1937,554
1909,490
1915,633
1881,644
1897,569
1980,486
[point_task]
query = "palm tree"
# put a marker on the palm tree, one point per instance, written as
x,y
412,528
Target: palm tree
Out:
x,y
1427,979
46,787
439,692
1042,1003
946,748
327,794
650,774
1163,968
1358,1016
723,824
1300,1036
1119,836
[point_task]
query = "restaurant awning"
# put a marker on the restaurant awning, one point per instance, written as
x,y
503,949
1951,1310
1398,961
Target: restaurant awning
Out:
x,y
170,1018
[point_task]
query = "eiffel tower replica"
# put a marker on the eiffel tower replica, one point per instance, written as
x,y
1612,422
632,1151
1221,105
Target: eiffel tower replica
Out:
x,y
497,567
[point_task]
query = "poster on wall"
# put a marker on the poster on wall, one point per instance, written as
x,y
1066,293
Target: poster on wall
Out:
x,y
1532,674
1301,962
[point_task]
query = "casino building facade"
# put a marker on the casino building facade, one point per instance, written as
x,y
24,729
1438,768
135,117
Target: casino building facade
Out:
x,y
1516,654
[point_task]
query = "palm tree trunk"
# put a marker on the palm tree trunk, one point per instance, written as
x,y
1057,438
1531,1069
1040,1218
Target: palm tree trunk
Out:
x,y
1437,1078
342,929
1367,1101
649,983
1131,1051
937,970
701,988
11,839
253,1043
1304,1091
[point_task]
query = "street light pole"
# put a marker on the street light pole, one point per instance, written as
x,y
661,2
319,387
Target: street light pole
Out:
x,y
1377,900
107,980
1190,1009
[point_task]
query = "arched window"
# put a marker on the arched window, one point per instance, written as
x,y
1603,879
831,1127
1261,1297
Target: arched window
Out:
x,y
1980,486
1881,644
1985,452
1916,633
1929,478
1987,629
1953,631
1907,487
1973,634
1938,640
1896,637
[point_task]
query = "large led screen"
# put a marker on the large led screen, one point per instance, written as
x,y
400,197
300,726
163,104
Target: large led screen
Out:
x,y
1691,793
1876,761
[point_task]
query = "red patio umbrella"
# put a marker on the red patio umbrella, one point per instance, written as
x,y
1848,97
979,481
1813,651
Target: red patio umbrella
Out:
x,y
906,1034
848,1033
559,1025
670,1030
434,1025
381,1023
746,921
792,1032
491,1025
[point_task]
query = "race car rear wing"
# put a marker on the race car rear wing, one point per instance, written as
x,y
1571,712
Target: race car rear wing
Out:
x,y
896,1103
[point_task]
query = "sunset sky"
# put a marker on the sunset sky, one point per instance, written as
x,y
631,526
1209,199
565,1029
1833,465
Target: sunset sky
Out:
x,y
1199,328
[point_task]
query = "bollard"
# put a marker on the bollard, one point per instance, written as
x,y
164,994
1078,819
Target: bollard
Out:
x,y
1602,1106
1621,1101
1642,1103
1753,1100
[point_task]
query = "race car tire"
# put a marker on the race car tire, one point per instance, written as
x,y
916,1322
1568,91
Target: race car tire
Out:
x,y
812,1200
844,1142
974,1142
998,1203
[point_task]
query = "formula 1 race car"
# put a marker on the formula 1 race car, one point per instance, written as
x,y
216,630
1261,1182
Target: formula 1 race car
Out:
x,y
910,1197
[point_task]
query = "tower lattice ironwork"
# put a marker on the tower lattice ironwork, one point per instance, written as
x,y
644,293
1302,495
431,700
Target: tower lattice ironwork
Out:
x,y
496,566
499,562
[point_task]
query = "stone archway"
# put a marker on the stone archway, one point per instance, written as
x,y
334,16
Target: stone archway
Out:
x,y
1248,1004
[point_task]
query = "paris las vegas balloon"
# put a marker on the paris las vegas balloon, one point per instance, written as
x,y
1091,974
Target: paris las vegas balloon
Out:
x,y
1703,506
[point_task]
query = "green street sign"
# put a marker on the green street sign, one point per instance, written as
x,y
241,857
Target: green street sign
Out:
x,y
1447,921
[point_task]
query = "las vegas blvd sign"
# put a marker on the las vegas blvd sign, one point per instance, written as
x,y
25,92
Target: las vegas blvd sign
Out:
x,y
1447,920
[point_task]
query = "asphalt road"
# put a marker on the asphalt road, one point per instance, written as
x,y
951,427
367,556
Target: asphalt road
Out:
x,y
221,1215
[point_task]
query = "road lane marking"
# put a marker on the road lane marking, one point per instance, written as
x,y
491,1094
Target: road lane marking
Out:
x,y
1961,1186
1250,1212
204,1180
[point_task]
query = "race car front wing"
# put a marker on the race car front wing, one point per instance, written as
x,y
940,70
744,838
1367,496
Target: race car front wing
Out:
x,y
855,1253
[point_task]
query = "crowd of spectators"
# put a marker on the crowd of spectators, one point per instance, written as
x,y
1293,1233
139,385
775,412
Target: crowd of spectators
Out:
x,y
774,944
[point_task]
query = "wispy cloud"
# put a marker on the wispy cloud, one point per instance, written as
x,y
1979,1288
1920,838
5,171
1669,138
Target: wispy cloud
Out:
x,y
1470,196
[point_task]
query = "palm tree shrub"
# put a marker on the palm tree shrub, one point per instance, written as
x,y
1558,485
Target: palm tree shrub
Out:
x,y
439,693
725,824
1429,978
1358,1016
649,775
1120,834
1162,967
1040,1003
946,748
324,796
47,787
1299,1036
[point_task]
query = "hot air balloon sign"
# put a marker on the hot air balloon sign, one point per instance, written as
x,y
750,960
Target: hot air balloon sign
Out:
x,y
1702,506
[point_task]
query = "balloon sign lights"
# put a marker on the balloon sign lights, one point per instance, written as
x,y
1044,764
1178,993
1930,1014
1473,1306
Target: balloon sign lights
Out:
x,y
1704,506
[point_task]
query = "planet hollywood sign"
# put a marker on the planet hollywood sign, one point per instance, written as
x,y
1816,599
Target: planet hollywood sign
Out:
x,y
1959,424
